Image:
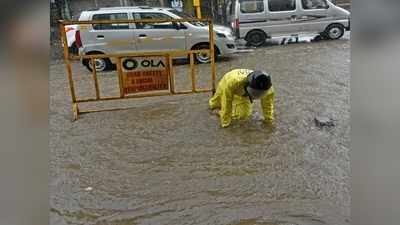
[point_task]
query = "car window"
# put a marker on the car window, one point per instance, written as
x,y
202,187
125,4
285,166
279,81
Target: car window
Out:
x,y
251,6
110,16
314,4
281,5
149,16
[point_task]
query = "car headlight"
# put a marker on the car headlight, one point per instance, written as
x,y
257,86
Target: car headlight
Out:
x,y
221,35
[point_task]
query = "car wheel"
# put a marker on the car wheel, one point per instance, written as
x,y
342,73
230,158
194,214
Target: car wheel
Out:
x,y
101,64
334,31
256,38
203,57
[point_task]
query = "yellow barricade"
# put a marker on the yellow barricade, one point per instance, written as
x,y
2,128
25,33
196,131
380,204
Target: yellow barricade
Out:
x,y
134,83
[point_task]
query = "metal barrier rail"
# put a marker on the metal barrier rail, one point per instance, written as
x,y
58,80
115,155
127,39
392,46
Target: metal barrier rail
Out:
x,y
169,55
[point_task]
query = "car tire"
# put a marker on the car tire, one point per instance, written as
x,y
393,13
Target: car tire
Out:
x,y
256,38
334,31
201,58
102,64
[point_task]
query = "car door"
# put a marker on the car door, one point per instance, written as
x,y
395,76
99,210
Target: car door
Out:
x,y
158,36
314,15
110,38
251,15
281,17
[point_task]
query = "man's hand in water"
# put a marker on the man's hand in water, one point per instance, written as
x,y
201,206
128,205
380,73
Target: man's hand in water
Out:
x,y
214,112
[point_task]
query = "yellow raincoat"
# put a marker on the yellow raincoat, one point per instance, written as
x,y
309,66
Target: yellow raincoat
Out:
x,y
230,99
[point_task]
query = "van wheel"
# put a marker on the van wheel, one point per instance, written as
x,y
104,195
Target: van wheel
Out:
x,y
334,31
204,57
101,64
256,38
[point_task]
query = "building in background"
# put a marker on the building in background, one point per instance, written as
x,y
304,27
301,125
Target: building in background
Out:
x,y
177,4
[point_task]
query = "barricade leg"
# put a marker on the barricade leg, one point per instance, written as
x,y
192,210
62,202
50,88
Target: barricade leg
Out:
x,y
75,111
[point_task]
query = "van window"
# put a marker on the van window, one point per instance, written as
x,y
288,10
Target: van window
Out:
x,y
314,4
110,16
149,16
281,5
251,6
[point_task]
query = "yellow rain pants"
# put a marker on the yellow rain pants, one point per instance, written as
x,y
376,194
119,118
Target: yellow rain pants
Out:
x,y
229,98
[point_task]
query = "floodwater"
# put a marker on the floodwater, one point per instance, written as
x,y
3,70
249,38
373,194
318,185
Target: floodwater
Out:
x,y
166,161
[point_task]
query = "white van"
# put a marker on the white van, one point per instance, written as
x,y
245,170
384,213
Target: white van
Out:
x,y
257,20
147,37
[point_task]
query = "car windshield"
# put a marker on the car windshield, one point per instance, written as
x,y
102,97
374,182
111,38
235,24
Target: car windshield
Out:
x,y
184,15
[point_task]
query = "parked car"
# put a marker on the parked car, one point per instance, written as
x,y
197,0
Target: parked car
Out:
x,y
120,38
257,20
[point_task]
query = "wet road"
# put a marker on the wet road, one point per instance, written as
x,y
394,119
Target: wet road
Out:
x,y
167,161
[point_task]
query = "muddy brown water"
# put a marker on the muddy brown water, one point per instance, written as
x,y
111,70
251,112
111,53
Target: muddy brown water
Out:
x,y
167,161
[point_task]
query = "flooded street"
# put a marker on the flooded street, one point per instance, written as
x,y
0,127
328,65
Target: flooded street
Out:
x,y
166,161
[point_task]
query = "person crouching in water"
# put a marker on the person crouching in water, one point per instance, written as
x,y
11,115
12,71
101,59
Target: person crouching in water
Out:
x,y
236,92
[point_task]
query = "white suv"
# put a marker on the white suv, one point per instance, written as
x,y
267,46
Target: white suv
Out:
x,y
120,38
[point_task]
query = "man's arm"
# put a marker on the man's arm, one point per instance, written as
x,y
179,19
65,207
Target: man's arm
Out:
x,y
267,103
